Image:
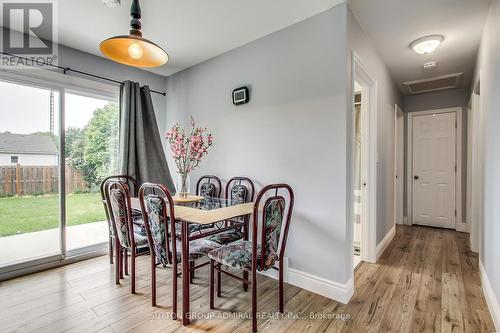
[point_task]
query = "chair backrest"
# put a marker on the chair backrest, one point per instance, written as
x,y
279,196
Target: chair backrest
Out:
x,y
275,222
240,188
128,179
209,186
156,205
117,197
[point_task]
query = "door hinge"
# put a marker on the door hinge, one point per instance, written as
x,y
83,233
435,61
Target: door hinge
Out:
x,y
455,168
456,124
455,212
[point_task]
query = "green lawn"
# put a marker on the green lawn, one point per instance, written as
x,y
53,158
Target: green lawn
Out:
x,y
26,214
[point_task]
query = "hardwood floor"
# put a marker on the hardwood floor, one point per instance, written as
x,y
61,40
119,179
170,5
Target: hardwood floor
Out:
x,y
426,281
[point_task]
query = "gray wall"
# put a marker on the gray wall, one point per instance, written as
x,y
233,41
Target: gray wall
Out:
x,y
436,100
293,129
488,67
387,97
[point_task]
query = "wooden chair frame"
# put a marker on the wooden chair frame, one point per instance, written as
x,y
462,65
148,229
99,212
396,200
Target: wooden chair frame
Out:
x,y
129,180
121,253
167,206
255,264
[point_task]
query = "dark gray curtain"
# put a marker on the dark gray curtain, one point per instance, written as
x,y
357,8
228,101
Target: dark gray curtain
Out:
x,y
141,152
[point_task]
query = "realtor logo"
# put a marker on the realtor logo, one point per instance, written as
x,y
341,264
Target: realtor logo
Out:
x,y
29,33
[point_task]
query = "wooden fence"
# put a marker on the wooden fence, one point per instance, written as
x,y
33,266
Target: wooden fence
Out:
x,y
37,180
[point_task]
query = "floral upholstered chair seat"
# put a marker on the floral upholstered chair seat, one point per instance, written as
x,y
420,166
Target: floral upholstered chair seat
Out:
x,y
239,255
226,237
197,248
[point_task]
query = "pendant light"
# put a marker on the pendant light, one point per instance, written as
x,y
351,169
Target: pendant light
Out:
x,y
132,49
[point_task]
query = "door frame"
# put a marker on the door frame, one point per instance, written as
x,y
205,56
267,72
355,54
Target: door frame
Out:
x,y
368,154
61,83
459,223
397,156
475,174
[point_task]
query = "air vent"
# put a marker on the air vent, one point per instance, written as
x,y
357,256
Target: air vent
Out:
x,y
451,81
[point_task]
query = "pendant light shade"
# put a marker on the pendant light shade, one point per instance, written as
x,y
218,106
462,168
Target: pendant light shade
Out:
x,y
132,49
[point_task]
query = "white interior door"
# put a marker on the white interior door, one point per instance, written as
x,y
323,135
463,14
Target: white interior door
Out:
x,y
434,168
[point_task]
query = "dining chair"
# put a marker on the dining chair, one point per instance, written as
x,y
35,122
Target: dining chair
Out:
x,y
209,186
157,207
129,180
128,237
252,256
237,189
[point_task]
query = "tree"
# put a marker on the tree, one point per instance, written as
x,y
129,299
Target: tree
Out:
x,y
93,150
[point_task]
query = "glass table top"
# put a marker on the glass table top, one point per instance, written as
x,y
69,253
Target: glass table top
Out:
x,y
210,203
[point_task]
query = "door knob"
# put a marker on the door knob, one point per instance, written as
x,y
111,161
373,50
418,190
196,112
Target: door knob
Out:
x,y
415,177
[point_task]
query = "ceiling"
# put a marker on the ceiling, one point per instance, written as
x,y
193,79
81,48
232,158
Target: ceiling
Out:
x,y
191,31
393,24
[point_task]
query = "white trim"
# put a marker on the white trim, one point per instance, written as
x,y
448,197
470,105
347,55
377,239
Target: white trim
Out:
x,y
386,241
53,80
397,157
459,223
337,291
369,154
489,295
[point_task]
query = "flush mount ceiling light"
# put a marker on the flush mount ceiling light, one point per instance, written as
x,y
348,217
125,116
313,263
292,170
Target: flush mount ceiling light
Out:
x,y
427,44
132,49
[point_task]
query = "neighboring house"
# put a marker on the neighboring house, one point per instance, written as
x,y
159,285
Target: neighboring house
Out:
x,y
27,149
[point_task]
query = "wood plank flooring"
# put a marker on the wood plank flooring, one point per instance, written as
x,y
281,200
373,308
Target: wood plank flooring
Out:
x,y
426,281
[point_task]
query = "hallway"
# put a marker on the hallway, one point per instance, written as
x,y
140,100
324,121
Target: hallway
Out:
x,y
427,280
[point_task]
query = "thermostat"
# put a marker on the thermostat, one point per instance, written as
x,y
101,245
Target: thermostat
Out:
x,y
240,96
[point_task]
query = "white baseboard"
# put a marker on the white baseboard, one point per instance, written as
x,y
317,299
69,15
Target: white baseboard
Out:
x,y
462,227
273,274
405,220
330,289
386,241
491,299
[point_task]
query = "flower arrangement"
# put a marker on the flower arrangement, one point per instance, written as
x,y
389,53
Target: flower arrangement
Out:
x,y
188,151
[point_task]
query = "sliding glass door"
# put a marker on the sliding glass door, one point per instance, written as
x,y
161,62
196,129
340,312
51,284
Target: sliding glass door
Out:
x,y
91,149
29,173
56,145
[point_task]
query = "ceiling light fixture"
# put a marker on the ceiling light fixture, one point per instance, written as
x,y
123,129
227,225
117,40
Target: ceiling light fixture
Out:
x,y
427,44
132,49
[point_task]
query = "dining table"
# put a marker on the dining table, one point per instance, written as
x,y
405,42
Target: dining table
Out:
x,y
203,211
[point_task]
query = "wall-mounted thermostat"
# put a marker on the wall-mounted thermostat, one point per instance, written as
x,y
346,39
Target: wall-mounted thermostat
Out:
x,y
240,96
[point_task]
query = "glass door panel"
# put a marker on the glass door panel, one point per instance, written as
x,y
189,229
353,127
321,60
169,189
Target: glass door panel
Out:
x,y
91,148
29,173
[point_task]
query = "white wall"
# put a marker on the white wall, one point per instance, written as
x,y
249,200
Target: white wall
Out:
x,y
488,69
293,130
29,159
387,97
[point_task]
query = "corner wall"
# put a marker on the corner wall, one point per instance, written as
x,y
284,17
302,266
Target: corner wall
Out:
x,y
293,130
488,70
387,97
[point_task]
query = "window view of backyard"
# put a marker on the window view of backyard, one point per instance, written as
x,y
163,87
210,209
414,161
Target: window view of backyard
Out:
x,y
29,170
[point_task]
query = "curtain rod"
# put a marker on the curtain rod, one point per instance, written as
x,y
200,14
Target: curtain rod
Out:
x,y
68,69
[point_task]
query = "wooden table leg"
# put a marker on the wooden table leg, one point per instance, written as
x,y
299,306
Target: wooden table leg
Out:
x,y
186,272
